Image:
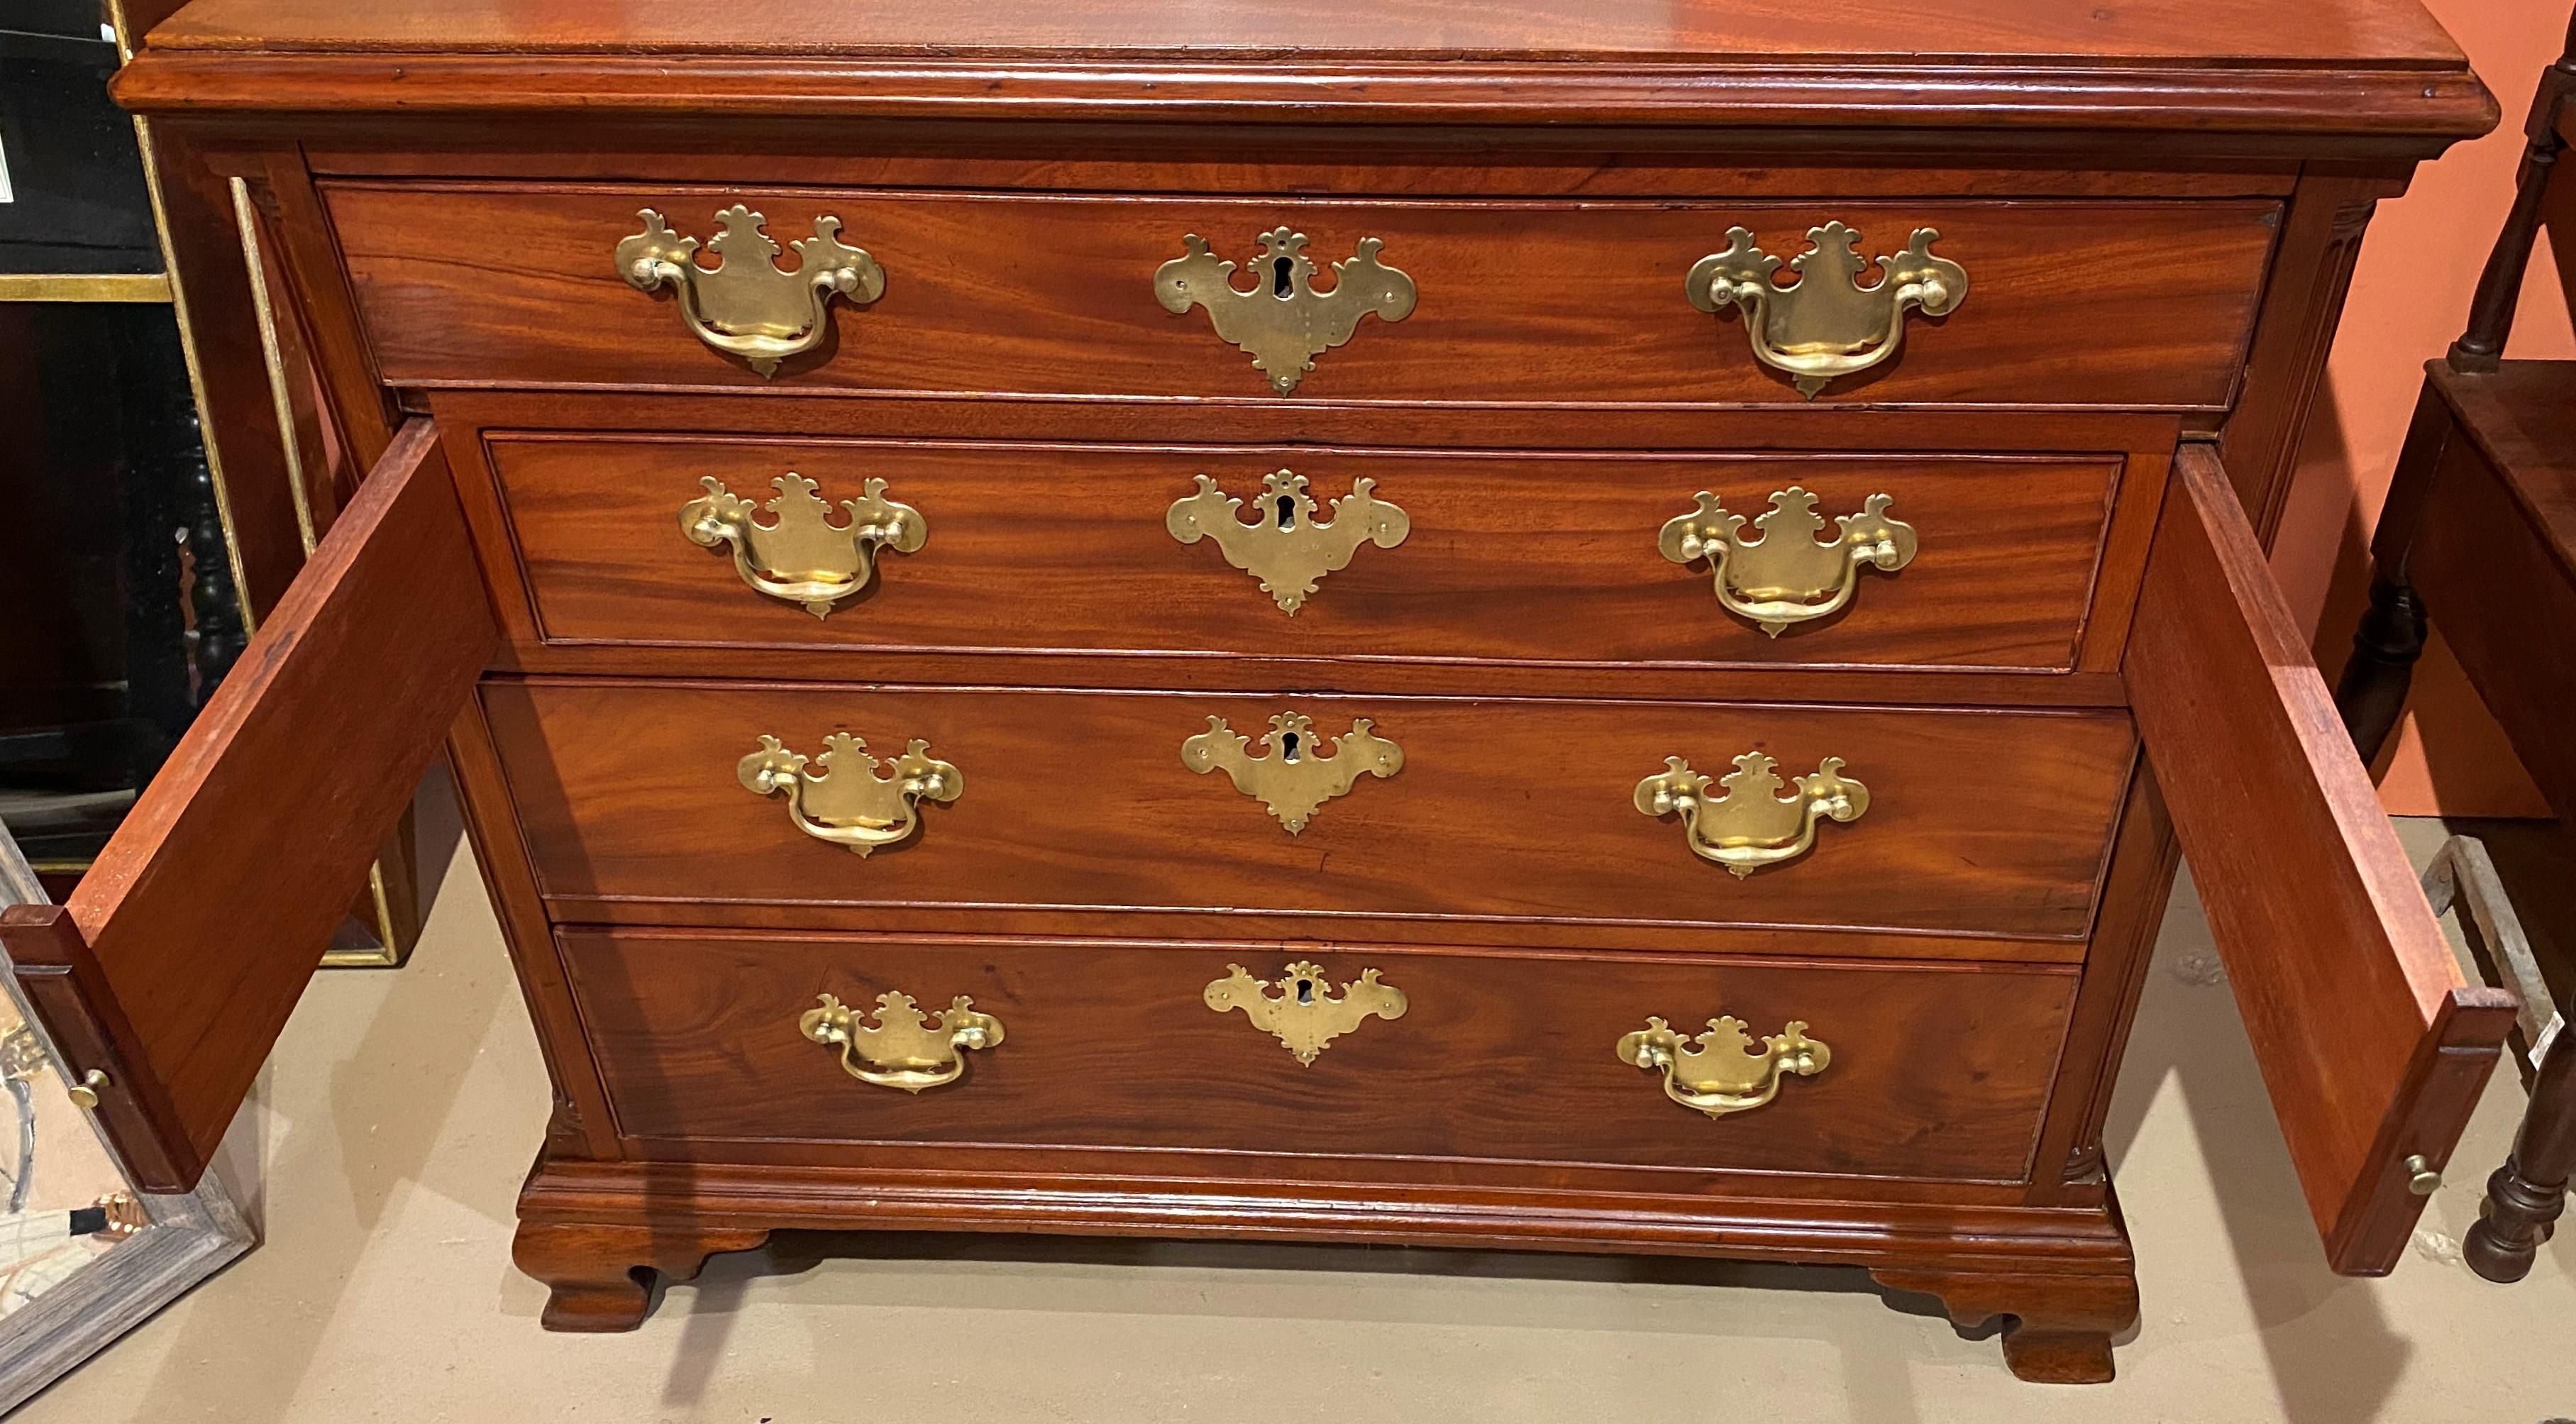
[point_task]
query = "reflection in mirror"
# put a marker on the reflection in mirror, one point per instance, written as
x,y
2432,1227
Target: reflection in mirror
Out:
x,y
83,1257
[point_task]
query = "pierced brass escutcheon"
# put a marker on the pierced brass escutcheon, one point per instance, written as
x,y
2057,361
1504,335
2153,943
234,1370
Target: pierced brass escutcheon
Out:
x,y
1283,546
1787,575
802,556
1752,825
1719,1072
1283,322
1304,1015
745,306
1291,780
841,799
905,1048
1827,324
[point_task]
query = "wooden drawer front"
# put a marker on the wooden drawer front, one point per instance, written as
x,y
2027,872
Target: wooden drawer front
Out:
x,y
1506,558
2079,303
1980,822
1934,1072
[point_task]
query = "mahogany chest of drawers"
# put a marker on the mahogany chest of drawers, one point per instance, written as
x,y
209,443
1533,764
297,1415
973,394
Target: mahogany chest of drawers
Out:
x,y
1590,628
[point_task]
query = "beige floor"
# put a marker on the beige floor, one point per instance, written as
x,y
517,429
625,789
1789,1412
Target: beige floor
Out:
x,y
402,1108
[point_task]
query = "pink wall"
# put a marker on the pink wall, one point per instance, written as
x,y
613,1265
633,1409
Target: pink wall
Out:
x,y
2410,296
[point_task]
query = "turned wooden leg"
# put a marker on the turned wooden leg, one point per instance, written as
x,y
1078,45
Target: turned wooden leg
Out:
x,y
2371,694
603,1278
2527,1193
2059,1328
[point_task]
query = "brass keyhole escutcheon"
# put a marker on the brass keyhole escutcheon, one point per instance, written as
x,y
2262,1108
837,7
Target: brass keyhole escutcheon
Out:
x,y
1282,322
1283,545
1292,780
1305,1015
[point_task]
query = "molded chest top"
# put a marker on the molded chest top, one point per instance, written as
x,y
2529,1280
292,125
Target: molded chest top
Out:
x,y
2376,68
2231,32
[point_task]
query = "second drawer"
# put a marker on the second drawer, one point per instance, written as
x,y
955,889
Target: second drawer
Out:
x,y
1974,822
1973,562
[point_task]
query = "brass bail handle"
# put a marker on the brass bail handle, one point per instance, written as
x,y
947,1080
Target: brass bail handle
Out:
x,y
840,797
746,307
905,1048
1751,825
1720,1071
801,556
1790,572
1826,325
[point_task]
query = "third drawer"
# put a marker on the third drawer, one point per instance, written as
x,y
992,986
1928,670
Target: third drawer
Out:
x,y
1978,822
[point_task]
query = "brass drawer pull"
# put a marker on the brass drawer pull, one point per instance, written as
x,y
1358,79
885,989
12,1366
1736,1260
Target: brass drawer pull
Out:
x,y
1291,780
746,306
1827,324
1751,825
1787,575
1283,546
905,1048
841,799
1719,1072
1283,322
802,556
1304,1016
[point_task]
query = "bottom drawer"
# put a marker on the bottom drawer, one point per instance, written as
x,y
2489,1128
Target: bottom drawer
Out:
x,y
1935,1071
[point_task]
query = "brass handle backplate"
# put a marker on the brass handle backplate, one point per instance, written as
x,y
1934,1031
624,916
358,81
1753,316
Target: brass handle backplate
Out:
x,y
1283,546
1292,780
905,1048
1720,1072
801,555
746,307
840,798
1282,321
1751,825
1826,324
1305,1015
1787,575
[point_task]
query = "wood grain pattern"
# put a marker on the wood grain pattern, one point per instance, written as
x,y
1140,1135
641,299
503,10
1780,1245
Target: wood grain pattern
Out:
x,y
193,934
2370,1041
1980,823
1938,1072
2137,304
2493,553
1511,558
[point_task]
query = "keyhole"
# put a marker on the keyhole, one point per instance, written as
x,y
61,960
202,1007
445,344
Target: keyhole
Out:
x,y
1305,991
1279,271
1288,746
1287,512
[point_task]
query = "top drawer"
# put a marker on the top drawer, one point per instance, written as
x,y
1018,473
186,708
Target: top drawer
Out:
x,y
2123,304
